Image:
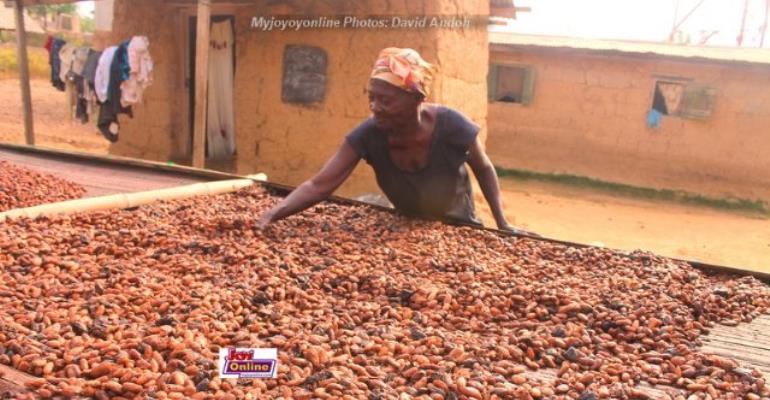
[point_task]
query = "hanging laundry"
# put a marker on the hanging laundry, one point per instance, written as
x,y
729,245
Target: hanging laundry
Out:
x,y
48,44
140,71
220,132
54,46
79,60
653,118
89,69
108,112
91,77
89,74
102,74
80,56
81,106
66,57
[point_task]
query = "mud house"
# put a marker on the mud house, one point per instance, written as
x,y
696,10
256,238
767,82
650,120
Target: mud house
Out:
x,y
643,114
652,115
298,89
8,24
292,94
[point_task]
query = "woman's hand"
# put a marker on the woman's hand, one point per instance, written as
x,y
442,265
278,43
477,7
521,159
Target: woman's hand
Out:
x,y
505,226
266,218
317,188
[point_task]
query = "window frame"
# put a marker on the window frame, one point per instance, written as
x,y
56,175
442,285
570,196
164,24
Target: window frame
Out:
x,y
694,97
527,86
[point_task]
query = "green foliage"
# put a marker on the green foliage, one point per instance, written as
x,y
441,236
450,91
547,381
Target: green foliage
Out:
x,y
45,11
87,24
38,63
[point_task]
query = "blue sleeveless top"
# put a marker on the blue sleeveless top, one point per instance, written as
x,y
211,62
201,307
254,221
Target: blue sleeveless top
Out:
x,y
440,190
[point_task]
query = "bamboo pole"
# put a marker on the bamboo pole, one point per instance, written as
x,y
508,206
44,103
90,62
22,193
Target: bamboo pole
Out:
x,y
21,57
201,82
126,200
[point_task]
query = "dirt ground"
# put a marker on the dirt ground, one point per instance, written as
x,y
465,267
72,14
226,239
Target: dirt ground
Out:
x,y
681,231
555,211
53,127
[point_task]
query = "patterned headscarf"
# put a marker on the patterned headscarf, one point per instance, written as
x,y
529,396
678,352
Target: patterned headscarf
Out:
x,y
405,69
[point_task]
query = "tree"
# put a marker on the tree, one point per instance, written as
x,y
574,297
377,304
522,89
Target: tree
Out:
x,y
87,24
52,10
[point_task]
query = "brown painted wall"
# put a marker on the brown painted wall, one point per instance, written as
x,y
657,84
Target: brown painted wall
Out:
x,y
290,142
588,118
149,134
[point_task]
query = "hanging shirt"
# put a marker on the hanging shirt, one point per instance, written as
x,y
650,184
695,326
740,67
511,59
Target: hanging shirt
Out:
x,y
140,71
440,190
55,62
108,113
79,60
102,76
66,55
48,44
89,69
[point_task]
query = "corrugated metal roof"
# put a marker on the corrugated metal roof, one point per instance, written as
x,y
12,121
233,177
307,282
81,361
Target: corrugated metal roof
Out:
x,y
695,53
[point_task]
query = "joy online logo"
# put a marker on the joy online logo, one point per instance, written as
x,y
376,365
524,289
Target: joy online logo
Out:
x,y
248,363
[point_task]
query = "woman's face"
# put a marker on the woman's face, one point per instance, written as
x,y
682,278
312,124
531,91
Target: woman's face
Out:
x,y
391,107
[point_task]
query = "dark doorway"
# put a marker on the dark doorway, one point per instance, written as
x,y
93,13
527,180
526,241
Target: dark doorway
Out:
x,y
192,29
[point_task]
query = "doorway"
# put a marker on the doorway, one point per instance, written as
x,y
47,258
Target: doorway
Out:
x,y
220,127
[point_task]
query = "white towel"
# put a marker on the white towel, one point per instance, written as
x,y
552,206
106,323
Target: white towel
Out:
x,y
102,80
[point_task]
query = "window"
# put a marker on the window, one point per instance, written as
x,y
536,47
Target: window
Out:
x,y
511,84
66,22
683,99
304,74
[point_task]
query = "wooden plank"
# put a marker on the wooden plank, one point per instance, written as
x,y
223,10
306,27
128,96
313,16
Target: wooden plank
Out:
x,y
201,82
751,360
759,324
23,61
743,346
752,334
548,376
117,161
101,179
12,381
757,359
754,343
746,343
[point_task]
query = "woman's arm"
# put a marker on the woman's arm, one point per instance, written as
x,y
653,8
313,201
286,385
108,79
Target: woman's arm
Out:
x,y
487,176
317,188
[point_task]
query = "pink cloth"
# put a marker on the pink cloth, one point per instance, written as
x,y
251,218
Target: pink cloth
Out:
x,y
140,74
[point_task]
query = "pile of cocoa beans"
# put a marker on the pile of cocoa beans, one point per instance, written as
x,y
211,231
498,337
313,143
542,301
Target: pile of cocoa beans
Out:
x,y
23,187
360,303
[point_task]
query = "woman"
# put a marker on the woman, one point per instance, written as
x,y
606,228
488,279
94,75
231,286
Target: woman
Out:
x,y
418,150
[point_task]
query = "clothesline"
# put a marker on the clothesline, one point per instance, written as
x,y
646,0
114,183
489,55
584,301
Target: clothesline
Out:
x,y
112,80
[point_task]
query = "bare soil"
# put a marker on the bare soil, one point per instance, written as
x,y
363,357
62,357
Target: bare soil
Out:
x,y
52,124
695,233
